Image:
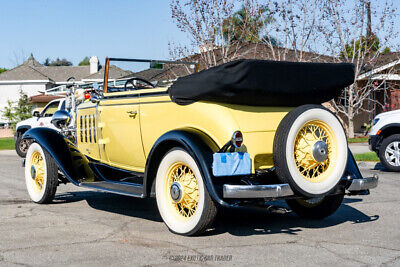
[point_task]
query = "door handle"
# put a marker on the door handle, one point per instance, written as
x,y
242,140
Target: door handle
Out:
x,y
132,113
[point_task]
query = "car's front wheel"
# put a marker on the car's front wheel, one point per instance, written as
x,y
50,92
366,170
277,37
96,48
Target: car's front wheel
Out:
x,y
182,197
41,174
389,153
22,145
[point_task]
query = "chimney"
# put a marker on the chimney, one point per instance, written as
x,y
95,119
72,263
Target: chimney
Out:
x,y
94,64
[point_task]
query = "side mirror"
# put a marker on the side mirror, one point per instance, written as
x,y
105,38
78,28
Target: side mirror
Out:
x,y
60,119
36,113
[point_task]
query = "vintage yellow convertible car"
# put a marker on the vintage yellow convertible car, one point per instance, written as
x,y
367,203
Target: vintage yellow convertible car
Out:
x,y
245,132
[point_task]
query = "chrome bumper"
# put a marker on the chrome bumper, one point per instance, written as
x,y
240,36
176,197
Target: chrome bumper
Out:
x,y
284,190
363,184
257,191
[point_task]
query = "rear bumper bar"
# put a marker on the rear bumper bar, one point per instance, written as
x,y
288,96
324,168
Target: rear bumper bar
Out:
x,y
284,190
363,184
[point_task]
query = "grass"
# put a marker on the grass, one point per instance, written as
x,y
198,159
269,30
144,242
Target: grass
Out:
x,y
369,156
358,140
7,143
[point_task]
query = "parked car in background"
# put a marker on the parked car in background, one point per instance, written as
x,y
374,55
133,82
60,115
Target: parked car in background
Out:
x,y
384,139
39,119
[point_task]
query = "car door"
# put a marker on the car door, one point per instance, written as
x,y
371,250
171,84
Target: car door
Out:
x,y
120,129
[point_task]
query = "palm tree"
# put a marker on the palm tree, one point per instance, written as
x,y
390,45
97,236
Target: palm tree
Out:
x,y
246,26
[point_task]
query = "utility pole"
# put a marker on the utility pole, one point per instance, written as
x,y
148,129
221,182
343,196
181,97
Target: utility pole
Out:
x,y
369,23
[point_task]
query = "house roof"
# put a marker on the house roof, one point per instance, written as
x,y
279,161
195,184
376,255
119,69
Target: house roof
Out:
x,y
23,72
32,62
62,73
31,69
114,73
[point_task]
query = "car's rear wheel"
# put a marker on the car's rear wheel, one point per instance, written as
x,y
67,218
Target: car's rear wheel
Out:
x,y
315,208
182,197
22,145
41,174
389,153
310,150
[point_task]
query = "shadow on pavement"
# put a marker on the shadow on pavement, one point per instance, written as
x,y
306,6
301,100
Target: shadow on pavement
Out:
x,y
236,221
276,221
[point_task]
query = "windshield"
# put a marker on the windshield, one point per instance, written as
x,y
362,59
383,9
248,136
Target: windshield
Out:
x,y
133,74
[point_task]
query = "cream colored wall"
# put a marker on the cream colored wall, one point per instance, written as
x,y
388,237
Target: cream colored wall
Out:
x,y
11,92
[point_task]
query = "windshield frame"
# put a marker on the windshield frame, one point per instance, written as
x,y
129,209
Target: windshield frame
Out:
x,y
107,64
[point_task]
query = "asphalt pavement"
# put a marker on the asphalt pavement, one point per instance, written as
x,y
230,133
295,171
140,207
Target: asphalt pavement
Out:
x,y
87,228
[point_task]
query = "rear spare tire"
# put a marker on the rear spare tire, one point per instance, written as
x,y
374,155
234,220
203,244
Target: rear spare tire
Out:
x,y
310,150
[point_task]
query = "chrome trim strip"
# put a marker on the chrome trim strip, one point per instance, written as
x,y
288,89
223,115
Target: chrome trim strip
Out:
x,y
257,191
78,108
137,95
364,184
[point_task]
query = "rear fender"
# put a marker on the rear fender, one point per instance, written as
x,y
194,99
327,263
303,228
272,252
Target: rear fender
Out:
x,y
352,169
74,165
195,144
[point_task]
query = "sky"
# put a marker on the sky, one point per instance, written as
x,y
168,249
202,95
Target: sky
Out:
x,y
73,29
77,28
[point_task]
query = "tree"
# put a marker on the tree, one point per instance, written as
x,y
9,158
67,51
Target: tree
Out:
x,y
246,25
348,33
60,62
19,110
84,62
363,46
202,20
3,70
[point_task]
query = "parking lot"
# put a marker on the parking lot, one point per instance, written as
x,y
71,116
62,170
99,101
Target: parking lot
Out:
x,y
91,228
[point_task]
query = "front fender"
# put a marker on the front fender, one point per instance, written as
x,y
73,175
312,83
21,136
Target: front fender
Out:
x,y
69,159
194,143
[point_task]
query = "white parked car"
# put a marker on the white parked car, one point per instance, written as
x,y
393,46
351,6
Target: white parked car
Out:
x,y
384,139
39,119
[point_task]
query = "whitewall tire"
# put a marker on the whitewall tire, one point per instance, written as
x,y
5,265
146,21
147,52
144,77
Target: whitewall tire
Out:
x,y
41,174
310,150
182,197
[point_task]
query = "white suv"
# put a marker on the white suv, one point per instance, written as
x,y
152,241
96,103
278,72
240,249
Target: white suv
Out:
x,y
42,119
384,139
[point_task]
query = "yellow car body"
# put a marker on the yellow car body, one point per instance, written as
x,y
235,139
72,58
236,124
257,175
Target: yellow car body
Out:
x,y
128,124
135,141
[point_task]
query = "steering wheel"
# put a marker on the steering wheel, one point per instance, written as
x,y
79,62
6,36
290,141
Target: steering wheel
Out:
x,y
130,81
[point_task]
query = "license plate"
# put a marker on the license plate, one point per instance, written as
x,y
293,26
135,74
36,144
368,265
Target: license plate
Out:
x,y
229,164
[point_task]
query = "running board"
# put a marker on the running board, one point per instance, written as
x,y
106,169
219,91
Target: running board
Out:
x,y
133,190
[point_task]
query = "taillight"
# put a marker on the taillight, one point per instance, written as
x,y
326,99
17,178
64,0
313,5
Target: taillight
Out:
x,y
87,96
237,139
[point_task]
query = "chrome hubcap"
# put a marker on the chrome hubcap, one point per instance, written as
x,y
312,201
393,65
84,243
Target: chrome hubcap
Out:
x,y
320,151
24,145
33,172
392,153
176,192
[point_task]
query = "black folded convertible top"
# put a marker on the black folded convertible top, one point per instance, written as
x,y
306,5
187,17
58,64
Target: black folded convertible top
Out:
x,y
264,83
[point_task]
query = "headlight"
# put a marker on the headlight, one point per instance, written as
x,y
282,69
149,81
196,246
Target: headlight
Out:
x,y
375,121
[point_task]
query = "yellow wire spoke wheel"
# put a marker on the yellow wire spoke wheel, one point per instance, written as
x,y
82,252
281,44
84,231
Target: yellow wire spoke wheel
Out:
x,y
310,151
37,171
41,174
182,191
315,151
